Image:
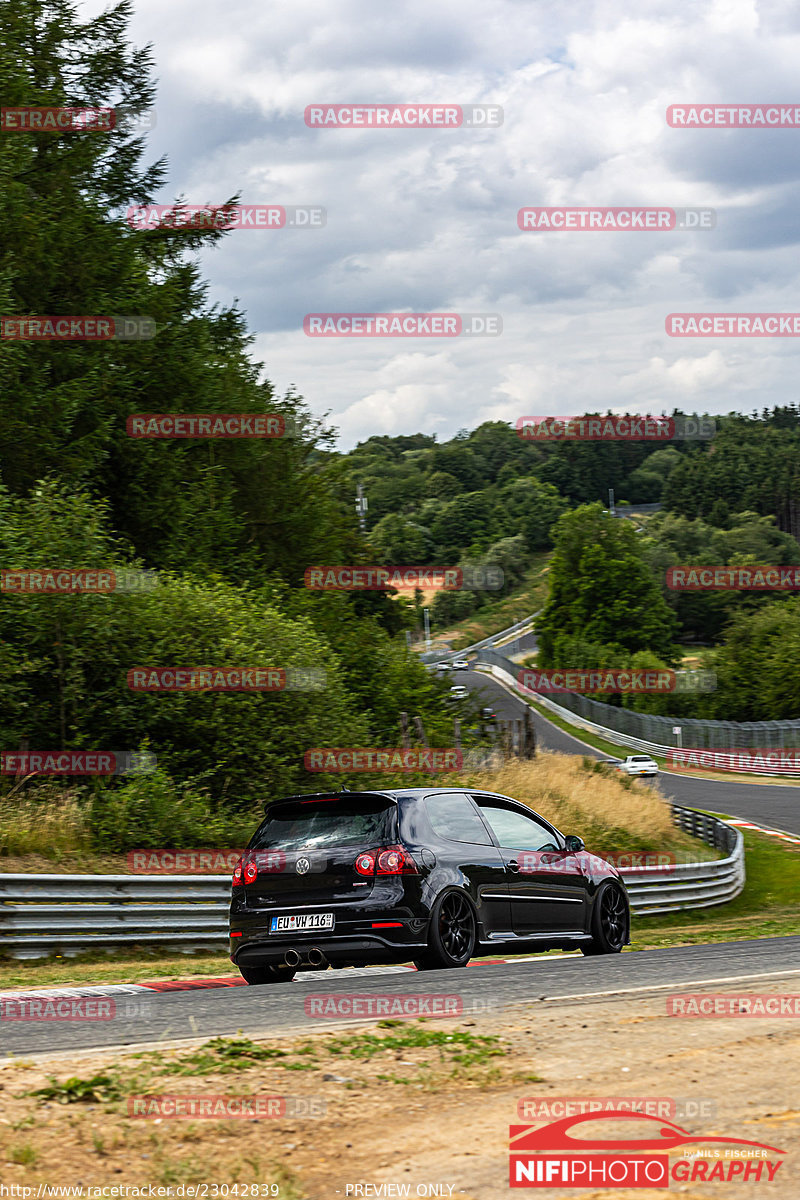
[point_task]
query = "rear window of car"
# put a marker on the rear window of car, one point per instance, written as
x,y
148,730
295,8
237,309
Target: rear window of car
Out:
x,y
308,824
453,817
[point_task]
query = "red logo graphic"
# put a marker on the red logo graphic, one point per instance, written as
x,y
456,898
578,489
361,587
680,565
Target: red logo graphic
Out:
x,y
553,1155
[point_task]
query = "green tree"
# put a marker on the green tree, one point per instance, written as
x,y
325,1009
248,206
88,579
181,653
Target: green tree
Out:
x,y
601,589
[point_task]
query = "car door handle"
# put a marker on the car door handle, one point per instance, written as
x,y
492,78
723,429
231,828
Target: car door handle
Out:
x,y
513,865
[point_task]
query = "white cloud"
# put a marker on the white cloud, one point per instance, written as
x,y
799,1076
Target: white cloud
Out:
x,y
426,221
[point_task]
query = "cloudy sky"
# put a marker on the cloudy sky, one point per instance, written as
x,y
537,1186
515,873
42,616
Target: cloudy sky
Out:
x,y
426,220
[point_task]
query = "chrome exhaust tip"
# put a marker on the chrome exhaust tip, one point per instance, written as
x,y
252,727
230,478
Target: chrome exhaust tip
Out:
x,y
291,958
316,958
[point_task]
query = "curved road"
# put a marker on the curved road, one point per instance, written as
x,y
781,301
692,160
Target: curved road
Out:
x,y
287,1007
775,804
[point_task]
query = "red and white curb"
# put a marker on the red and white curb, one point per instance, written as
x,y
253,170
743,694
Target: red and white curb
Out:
x,y
229,981
781,834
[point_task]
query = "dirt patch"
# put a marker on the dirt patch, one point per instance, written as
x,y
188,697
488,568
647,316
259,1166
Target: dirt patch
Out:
x,y
417,1104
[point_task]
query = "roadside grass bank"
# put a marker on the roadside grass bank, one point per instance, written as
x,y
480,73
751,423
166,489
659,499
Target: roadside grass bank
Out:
x,y
496,615
769,906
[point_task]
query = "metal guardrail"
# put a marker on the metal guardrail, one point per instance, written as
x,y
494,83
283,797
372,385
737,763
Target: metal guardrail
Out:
x,y
69,914
698,736
445,655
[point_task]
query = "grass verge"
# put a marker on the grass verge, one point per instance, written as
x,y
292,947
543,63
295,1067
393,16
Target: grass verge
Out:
x,y
769,906
497,615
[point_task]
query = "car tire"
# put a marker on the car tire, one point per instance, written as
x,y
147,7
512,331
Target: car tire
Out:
x,y
452,934
610,921
277,973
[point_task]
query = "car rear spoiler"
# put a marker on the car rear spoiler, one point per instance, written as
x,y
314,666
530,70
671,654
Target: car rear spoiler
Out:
x,y
342,794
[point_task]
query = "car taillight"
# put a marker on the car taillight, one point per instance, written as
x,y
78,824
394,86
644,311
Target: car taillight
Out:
x,y
250,870
365,864
389,860
395,861
237,873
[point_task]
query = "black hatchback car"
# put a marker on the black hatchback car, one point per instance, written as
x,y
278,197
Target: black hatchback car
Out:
x,y
432,875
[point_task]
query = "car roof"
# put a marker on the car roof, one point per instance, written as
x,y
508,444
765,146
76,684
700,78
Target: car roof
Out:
x,y
394,794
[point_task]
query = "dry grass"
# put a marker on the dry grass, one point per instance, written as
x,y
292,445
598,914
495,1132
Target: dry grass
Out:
x,y
608,812
45,820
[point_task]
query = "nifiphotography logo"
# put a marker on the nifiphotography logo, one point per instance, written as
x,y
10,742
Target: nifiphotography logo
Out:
x,y
555,1155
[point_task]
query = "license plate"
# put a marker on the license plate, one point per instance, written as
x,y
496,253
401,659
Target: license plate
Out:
x,y
301,922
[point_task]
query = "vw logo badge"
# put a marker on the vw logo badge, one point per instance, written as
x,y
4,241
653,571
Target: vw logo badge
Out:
x,y
302,866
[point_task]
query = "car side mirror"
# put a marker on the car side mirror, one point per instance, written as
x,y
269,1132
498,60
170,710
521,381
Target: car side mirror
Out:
x,y
574,844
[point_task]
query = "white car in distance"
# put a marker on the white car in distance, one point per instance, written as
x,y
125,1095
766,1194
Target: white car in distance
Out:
x,y
637,764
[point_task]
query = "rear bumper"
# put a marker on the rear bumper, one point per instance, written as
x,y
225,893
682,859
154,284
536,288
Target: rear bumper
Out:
x,y
353,940
338,951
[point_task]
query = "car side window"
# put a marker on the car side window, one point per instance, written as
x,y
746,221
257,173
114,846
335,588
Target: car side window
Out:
x,y
515,830
453,817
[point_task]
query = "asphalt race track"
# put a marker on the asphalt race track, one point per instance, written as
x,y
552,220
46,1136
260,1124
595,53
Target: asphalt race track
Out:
x,y
279,1009
776,804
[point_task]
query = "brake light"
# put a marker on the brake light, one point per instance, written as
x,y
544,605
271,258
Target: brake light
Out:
x,y
365,864
389,860
237,873
250,870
